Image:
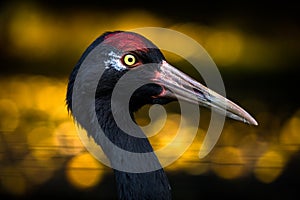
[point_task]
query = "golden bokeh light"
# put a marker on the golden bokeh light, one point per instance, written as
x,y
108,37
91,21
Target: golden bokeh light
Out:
x,y
225,46
196,168
43,37
49,96
230,135
289,136
17,89
55,135
38,31
38,171
269,166
228,162
167,133
174,137
189,161
10,113
51,100
39,137
84,171
12,180
68,140
42,142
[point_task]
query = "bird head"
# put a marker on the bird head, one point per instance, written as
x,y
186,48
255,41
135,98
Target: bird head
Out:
x,y
127,52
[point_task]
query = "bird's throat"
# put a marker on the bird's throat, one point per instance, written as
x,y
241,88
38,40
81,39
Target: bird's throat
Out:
x,y
132,139
137,185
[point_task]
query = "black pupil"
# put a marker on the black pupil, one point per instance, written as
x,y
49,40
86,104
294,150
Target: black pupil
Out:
x,y
130,59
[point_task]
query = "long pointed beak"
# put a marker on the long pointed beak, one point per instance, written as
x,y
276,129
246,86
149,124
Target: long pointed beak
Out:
x,y
176,84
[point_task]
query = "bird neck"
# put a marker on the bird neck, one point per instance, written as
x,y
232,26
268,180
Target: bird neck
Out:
x,y
135,142
148,185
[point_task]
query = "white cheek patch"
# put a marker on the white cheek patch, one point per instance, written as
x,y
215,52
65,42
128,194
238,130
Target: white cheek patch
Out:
x,y
114,61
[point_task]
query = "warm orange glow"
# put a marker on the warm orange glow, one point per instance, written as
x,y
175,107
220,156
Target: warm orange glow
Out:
x,y
41,148
38,171
37,136
289,135
34,31
224,46
84,171
166,134
45,35
10,113
50,97
42,142
12,180
230,135
228,162
18,90
48,131
59,136
68,140
269,166
189,162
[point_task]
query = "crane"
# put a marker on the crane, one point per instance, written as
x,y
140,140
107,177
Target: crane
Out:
x,y
118,53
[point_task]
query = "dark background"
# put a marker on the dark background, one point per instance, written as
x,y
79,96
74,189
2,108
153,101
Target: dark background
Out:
x,y
269,89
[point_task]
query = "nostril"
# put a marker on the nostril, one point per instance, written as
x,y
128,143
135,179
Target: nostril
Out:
x,y
198,92
201,95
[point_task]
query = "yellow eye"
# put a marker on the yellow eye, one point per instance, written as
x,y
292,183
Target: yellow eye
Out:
x,y
129,60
